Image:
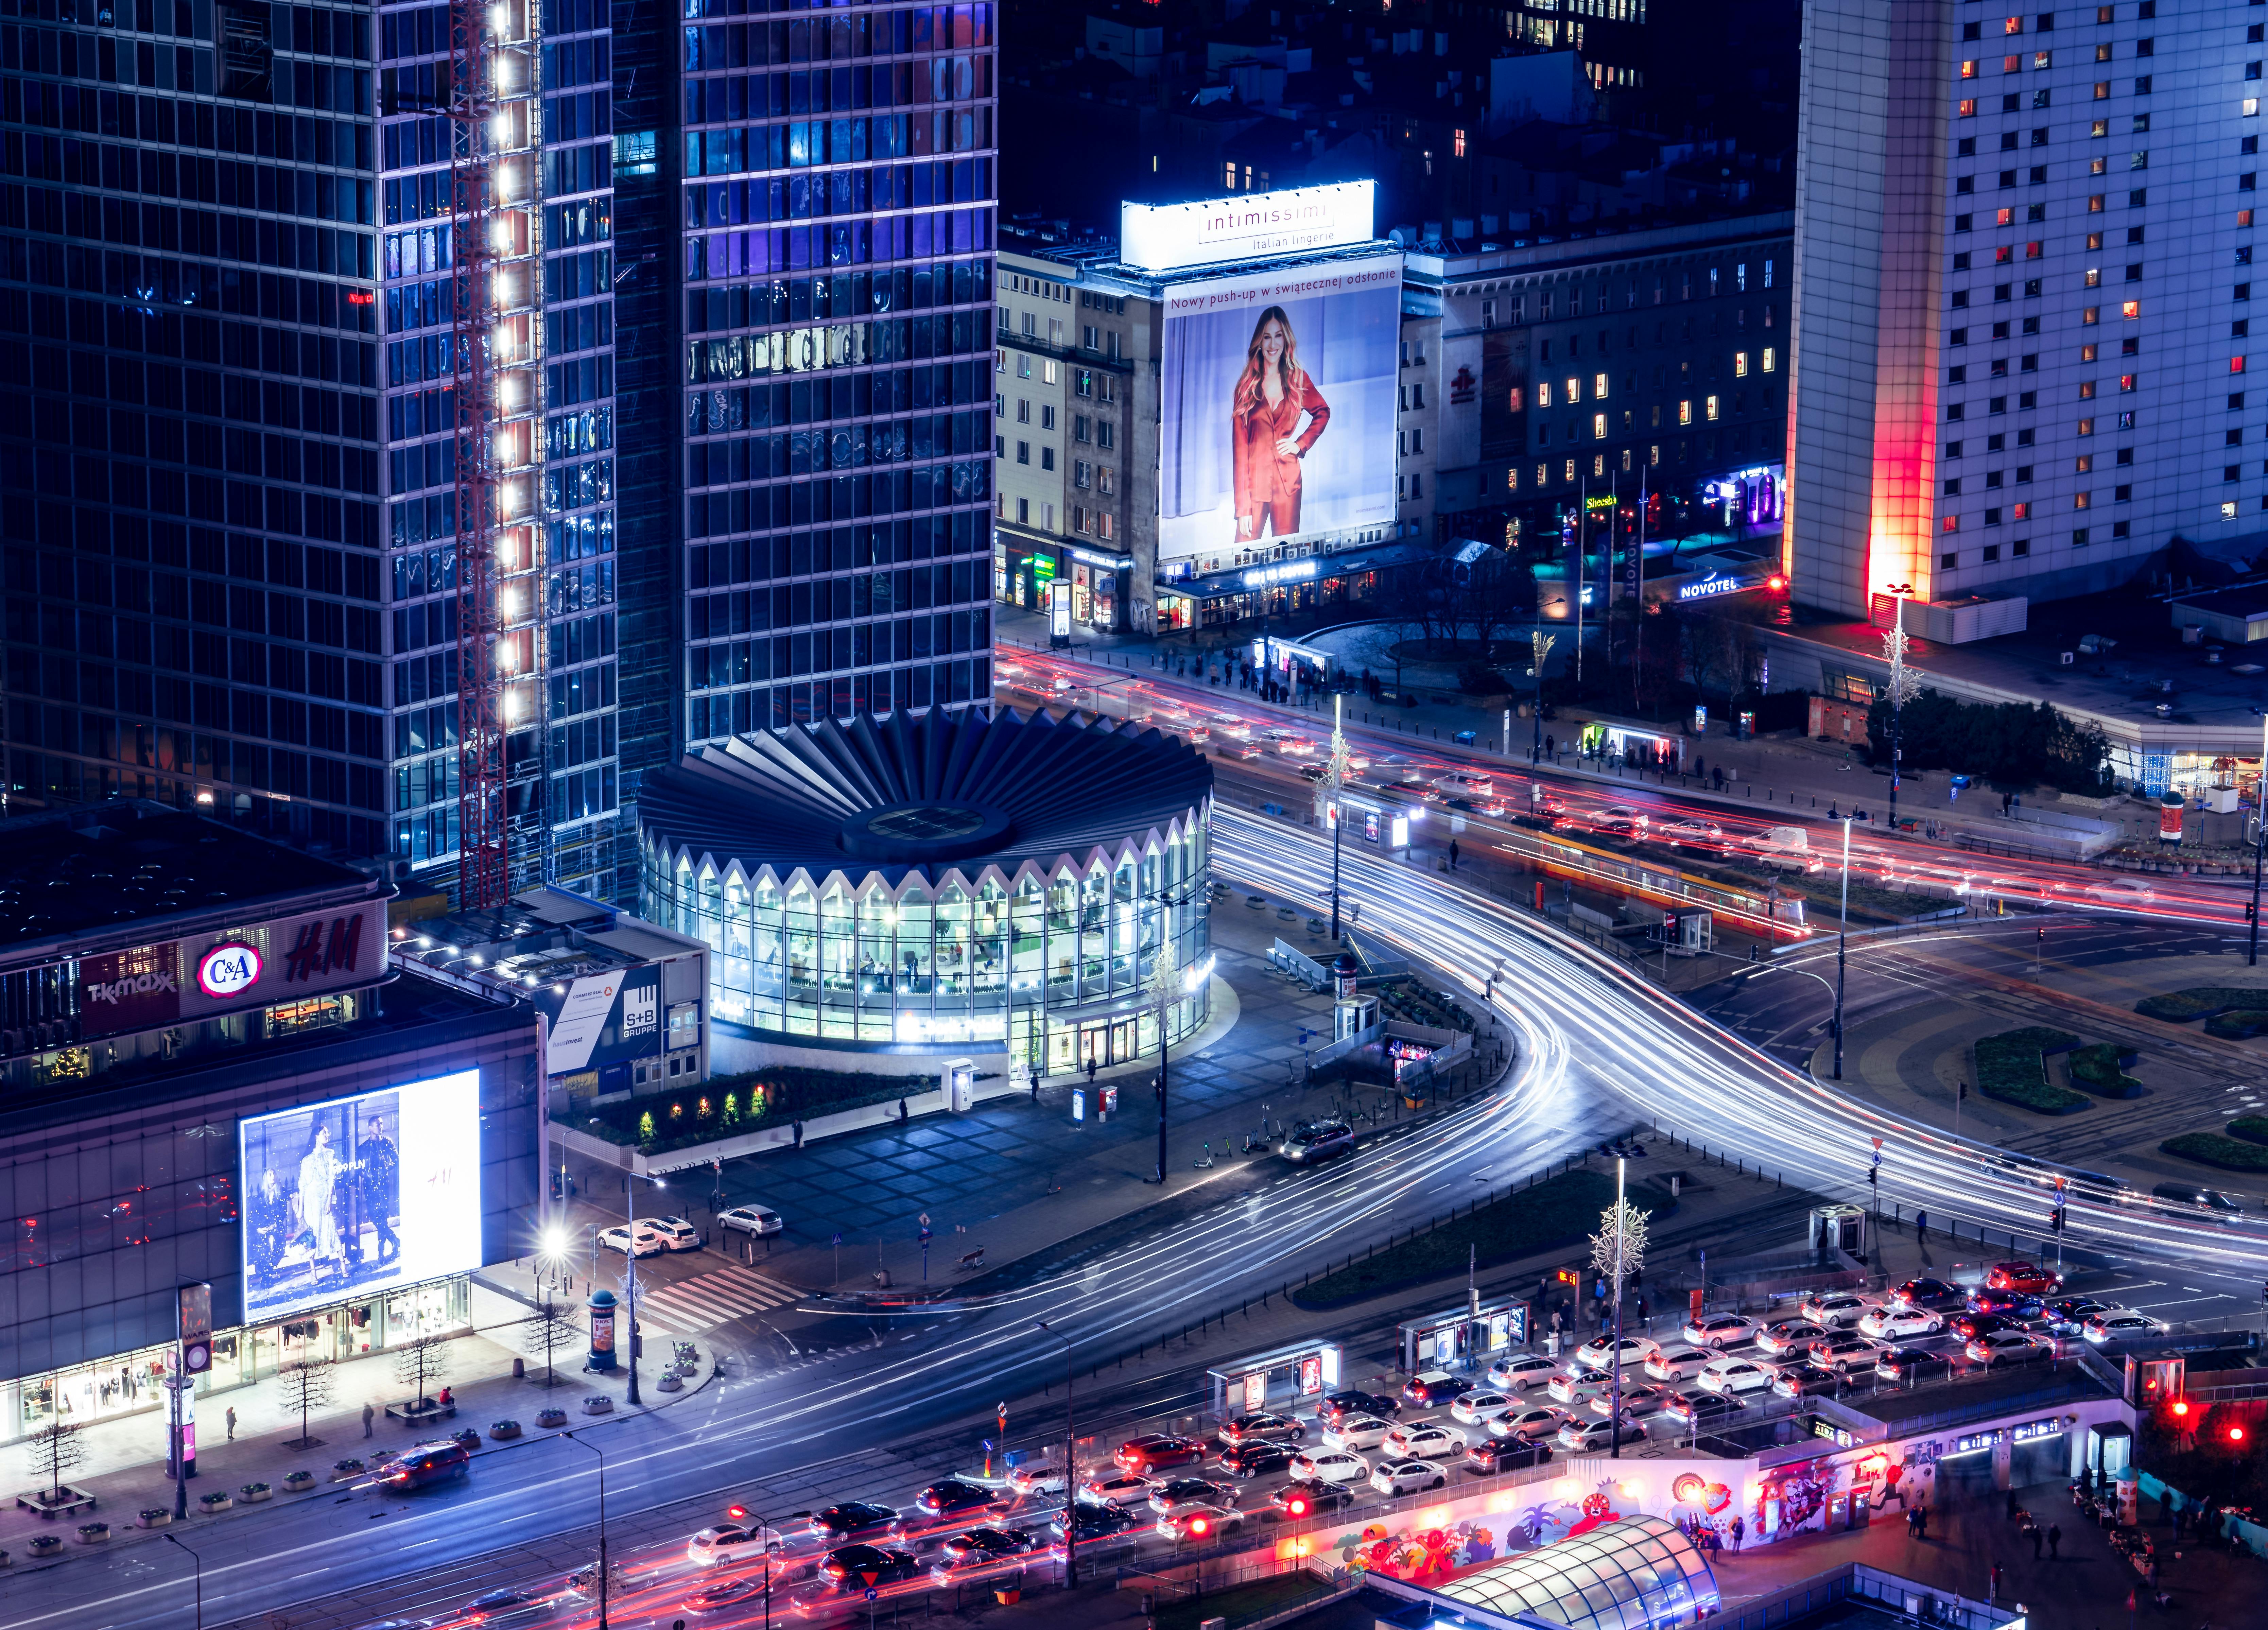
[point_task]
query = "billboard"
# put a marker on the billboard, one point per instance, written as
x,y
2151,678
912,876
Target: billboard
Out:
x,y
1277,406
607,1018
360,1194
1255,227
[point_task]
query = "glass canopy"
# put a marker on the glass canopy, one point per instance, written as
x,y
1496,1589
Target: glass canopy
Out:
x,y
1631,1575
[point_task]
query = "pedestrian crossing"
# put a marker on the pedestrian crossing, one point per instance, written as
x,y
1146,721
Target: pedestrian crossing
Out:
x,y
708,1300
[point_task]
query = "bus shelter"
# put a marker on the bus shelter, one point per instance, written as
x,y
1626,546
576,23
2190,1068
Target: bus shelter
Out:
x,y
1277,1380
1469,1333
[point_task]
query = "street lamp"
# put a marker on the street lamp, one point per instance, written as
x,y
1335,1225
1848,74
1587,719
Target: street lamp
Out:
x,y
1169,982
1541,644
629,1272
200,1562
1335,774
764,1527
1895,640
1071,1462
605,1579
1843,943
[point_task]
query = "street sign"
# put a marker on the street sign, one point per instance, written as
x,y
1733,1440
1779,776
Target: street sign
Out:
x,y
872,1594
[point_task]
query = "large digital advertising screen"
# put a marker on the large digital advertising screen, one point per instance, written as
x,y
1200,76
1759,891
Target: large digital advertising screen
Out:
x,y
360,1194
1277,407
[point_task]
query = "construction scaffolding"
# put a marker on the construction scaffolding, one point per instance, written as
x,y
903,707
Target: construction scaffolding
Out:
x,y
496,344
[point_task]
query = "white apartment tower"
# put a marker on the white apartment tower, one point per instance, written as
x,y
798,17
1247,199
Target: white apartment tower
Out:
x,y
2024,250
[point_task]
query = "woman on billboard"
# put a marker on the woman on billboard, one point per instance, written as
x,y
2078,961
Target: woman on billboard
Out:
x,y
1273,394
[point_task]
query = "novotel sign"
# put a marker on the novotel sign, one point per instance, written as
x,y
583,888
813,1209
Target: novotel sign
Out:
x,y
1712,586
1255,227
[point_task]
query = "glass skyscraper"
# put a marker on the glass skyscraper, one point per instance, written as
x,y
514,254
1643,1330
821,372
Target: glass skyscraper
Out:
x,y
749,253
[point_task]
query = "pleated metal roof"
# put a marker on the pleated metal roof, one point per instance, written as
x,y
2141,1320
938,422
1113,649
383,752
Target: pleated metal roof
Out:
x,y
961,793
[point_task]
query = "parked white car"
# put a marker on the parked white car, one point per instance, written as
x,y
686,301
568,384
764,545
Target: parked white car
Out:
x,y
1471,1408
1328,1465
1900,1324
1422,1441
1677,1363
1737,1375
676,1233
1718,1330
1521,1370
752,1219
1599,1353
641,1241
1358,1432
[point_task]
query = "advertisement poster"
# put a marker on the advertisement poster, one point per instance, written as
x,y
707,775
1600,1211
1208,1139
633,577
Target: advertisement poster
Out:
x,y
607,1018
1278,405
360,1194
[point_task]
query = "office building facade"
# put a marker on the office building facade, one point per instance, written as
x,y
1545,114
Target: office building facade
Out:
x,y
230,446
2022,340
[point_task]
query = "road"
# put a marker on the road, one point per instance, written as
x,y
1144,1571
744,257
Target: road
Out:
x,y
1594,1046
1234,722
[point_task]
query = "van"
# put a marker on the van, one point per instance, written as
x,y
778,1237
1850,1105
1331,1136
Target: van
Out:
x,y
1787,848
1310,1143
423,1463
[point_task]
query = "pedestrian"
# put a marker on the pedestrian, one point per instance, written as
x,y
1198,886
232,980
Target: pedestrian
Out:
x,y
1910,1525
1550,747
1993,1590
1921,1226
2055,1538
1091,1066
1740,1529
2037,1539
231,1423
1453,854
368,1414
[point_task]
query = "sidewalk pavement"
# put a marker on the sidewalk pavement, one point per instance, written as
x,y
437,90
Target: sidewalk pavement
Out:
x,y
1016,1174
124,1466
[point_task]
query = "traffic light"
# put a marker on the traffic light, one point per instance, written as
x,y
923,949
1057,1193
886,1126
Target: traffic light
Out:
x,y
2236,1434
2181,1409
1200,1526
2055,1219
1296,1506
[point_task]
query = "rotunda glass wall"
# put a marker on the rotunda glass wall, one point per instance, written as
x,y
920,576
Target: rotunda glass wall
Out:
x,y
1053,966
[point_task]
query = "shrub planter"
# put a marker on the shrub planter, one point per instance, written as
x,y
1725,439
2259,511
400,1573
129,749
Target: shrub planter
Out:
x,y
2215,1148
298,1482
94,1533
156,1517
252,1494
46,1544
598,1404
468,1440
345,1471
550,1417
671,1382
210,1503
503,1431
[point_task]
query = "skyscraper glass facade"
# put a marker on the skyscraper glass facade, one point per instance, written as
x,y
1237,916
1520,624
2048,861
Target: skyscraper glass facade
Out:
x,y
749,252
837,190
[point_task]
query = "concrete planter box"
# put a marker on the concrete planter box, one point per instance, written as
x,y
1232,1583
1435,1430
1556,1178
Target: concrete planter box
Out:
x,y
210,1503
156,1516
551,1417
346,1471
252,1494
46,1544
598,1404
298,1482
94,1533
503,1431
671,1382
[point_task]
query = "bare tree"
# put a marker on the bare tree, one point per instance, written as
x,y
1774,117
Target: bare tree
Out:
x,y
547,1331
306,1384
56,1452
424,1361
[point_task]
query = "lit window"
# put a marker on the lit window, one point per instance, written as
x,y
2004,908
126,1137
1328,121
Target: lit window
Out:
x,y
1951,523
2130,310
1969,68
1771,359
1543,393
2102,90
1511,479
2086,427
1459,146
2082,500
1598,387
1574,391
2011,64
1598,427
1686,412
2095,277
1968,109
1713,407
1740,365
2040,60
2004,217
1515,400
